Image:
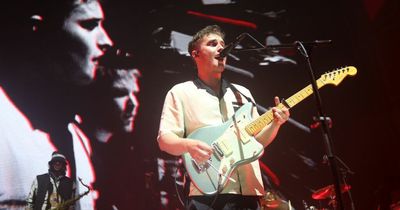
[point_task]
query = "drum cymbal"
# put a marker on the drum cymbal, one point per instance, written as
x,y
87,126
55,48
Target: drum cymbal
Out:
x,y
329,191
271,201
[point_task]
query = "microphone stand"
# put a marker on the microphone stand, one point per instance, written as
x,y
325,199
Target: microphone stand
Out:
x,y
324,121
327,137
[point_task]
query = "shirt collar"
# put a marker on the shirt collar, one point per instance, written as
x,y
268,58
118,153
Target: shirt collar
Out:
x,y
201,85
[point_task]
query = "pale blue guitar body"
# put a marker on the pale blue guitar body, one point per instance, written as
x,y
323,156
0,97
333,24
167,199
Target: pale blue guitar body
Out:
x,y
233,147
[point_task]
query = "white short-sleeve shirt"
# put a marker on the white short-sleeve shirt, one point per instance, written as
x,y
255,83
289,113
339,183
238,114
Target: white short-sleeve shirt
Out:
x,y
191,105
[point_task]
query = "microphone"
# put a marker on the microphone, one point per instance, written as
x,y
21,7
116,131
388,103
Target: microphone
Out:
x,y
228,48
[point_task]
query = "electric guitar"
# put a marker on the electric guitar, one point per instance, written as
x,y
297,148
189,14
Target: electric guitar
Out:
x,y
233,142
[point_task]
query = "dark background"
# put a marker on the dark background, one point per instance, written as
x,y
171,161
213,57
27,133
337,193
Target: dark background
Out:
x,y
364,108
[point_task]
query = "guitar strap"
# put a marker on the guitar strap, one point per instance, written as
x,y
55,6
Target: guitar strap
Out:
x,y
260,108
238,95
239,102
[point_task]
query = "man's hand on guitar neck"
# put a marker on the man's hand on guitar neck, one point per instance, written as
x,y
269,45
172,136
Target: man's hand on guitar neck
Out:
x,y
280,115
268,134
199,151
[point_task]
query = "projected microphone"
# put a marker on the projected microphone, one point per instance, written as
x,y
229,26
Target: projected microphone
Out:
x,y
228,48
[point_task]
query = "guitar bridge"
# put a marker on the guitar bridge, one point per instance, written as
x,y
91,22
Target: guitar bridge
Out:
x,y
200,167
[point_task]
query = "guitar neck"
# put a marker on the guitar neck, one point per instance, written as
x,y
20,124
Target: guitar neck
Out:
x,y
258,124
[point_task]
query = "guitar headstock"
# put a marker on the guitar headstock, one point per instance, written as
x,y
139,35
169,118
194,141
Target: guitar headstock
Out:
x,y
335,77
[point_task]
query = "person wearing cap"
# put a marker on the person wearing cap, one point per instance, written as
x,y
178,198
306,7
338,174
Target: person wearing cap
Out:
x,y
50,53
49,190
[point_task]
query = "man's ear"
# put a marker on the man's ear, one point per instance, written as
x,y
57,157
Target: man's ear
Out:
x,y
195,53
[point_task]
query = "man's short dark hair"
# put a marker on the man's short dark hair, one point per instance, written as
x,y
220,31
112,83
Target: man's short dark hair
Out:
x,y
211,29
55,12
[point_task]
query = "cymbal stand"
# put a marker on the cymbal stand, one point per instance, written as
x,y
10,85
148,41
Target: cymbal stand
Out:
x,y
345,171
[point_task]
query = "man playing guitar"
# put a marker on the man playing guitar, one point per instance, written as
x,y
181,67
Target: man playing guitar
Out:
x,y
211,100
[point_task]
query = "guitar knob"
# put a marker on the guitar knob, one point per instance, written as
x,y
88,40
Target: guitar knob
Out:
x,y
224,169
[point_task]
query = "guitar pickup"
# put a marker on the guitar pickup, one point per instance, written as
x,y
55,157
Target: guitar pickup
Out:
x,y
218,150
223,145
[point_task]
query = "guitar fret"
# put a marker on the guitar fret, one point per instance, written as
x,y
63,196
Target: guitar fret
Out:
x,y
302,94
255,126
258,124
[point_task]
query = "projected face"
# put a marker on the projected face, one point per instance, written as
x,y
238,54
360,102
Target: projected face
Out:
x,y
123,101
84,42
